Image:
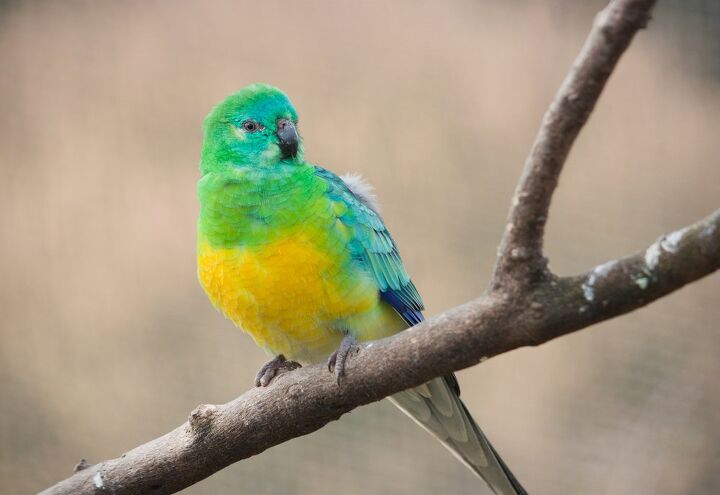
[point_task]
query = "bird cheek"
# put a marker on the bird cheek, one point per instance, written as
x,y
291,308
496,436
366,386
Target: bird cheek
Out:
x,y
271,153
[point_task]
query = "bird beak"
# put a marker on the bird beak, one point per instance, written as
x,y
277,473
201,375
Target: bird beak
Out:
x,y
287,138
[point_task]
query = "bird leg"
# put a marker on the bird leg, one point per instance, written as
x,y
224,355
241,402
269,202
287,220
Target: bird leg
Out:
x,y
272,368
336,361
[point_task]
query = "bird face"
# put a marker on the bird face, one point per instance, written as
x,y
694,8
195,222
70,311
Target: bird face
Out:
x,y
257,126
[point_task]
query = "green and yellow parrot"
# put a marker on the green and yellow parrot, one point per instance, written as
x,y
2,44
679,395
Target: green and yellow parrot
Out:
x,y
301,260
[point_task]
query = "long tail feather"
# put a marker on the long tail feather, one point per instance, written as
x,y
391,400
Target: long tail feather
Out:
x,y
437,408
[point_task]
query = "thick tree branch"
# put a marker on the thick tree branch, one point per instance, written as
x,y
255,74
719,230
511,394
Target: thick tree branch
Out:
x,y
303,401
520,257
524,306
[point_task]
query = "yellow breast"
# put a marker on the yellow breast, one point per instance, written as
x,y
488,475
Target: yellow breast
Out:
x,y
288,294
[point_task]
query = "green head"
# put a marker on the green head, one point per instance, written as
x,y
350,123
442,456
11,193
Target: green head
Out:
x,y
257,126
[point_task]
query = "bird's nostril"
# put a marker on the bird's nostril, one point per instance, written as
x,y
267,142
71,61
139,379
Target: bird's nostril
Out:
x,y
285,125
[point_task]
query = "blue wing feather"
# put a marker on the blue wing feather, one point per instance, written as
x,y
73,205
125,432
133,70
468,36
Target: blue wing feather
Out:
x,y
375,248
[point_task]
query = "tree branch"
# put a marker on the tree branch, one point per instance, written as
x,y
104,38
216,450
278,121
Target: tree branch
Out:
x,y
525,306
520,258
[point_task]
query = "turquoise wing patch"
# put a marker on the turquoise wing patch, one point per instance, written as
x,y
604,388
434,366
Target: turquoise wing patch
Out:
x,y
374,248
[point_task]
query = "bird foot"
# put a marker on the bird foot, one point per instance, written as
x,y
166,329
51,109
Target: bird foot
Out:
x,y
336,361
273,368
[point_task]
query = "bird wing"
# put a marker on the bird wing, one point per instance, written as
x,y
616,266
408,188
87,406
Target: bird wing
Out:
x,y
372,245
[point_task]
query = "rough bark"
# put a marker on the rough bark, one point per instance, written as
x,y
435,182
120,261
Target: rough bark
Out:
x,y
525,305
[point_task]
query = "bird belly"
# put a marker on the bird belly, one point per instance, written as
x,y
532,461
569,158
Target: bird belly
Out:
x,y
292,295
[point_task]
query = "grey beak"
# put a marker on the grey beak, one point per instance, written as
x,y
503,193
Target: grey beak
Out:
x,y
287,138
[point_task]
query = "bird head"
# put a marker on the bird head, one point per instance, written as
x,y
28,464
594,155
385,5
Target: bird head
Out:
x,y
257,127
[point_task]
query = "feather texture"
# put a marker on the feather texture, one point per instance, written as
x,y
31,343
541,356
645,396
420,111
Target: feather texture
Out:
x,y
362,189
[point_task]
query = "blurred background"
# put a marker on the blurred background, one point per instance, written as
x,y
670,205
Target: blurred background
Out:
x,y
108,341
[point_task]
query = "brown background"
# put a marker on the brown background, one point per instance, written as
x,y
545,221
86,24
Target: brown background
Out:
x,y
108,340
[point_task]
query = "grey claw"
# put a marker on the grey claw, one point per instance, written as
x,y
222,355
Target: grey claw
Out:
x,y
337,360
273,368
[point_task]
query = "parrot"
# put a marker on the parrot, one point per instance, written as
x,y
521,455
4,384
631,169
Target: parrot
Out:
x,y
301,260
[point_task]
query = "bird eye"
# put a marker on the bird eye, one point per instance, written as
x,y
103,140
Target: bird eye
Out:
x,y
251,126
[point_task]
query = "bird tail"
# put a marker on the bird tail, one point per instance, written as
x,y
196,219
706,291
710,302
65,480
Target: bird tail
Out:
x,y
436,406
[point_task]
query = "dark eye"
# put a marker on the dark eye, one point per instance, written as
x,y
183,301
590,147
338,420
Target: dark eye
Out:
x,y
251,126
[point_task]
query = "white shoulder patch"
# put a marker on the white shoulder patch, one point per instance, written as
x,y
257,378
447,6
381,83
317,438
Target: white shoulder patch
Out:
x,y
362,189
